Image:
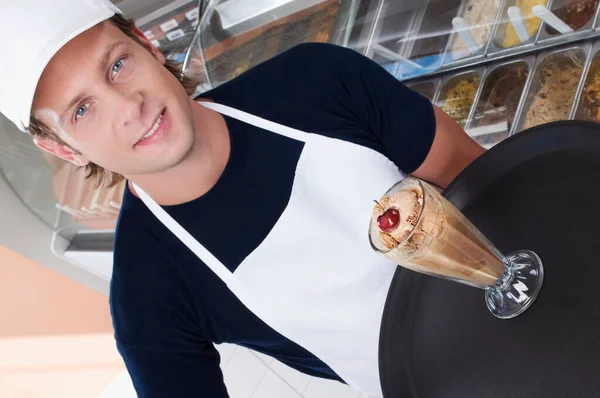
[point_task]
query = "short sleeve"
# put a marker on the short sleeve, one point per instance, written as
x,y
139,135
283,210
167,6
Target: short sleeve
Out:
x,y
402,120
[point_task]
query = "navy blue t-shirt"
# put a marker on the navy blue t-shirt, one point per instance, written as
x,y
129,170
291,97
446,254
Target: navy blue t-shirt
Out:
x,y
168,307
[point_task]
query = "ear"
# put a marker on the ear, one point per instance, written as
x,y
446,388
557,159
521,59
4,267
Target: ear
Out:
x,y
157,54
61,151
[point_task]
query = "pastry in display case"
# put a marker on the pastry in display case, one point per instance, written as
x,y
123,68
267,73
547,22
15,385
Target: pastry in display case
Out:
x,y
500,97
479,16
575,13
532,22
457,96
553,87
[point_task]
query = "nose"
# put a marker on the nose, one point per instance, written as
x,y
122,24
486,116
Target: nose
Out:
x,y
127,105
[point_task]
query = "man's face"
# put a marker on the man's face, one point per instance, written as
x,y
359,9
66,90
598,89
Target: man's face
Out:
x,y
115,103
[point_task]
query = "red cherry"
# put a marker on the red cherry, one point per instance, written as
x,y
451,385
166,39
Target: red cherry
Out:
x,y
388,220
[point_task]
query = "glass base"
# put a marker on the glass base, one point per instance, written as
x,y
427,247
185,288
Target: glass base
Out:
x,y
518,286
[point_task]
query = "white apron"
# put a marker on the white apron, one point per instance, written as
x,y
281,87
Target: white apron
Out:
x,y
315,279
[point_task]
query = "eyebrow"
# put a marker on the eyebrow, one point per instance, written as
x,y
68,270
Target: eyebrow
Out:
x,y
70,105
110,49
102,65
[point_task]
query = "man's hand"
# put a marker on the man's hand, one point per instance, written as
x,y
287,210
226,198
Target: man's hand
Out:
x,y
452,150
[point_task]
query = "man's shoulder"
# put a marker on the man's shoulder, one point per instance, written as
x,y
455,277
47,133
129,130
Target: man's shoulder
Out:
x,y
135,232
130,236
305,87
138,255
141,282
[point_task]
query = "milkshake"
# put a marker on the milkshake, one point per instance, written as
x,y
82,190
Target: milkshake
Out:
x,y
414,226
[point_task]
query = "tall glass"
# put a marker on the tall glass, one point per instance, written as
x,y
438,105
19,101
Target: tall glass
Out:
x,y
435,238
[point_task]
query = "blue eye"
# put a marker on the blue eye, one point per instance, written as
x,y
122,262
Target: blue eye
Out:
x,y
117,67
81,111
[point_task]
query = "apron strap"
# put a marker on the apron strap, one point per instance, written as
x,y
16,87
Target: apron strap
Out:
x,y
256,121
185,237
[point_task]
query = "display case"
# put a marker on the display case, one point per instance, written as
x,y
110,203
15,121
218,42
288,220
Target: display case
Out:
x,y
410,39
496,111
458,93
552,92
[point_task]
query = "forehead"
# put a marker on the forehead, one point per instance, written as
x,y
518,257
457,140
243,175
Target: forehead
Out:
x,y
74,65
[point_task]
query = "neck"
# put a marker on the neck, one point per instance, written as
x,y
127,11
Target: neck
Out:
x,y
200,169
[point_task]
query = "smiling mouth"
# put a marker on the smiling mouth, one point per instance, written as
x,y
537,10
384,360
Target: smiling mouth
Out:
x,y
154,128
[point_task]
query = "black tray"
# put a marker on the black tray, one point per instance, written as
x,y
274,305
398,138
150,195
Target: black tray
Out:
x,y
538,190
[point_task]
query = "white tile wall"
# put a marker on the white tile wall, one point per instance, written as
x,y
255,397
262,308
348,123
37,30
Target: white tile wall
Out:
x,y
243,374
267,360
273,386
249,374
281,381
298,381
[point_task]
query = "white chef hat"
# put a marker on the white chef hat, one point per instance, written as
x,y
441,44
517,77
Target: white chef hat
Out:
x,y
31,32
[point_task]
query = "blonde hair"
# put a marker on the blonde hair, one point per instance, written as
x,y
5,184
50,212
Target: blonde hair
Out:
x,y
100,175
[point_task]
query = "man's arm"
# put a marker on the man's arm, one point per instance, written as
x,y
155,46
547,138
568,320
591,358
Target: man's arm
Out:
x,y
452,150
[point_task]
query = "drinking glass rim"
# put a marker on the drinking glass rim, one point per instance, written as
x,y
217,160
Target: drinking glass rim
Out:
x,y
410,234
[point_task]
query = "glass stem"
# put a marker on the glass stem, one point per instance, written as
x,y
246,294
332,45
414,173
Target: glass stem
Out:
x,y
505,280
518,286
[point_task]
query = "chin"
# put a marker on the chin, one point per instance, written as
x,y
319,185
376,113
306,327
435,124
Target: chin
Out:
x,y
183,150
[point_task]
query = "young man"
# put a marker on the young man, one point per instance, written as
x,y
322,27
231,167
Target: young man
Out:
x,y
248,228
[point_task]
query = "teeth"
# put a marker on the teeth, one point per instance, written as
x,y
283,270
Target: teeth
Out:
x,y
153,129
